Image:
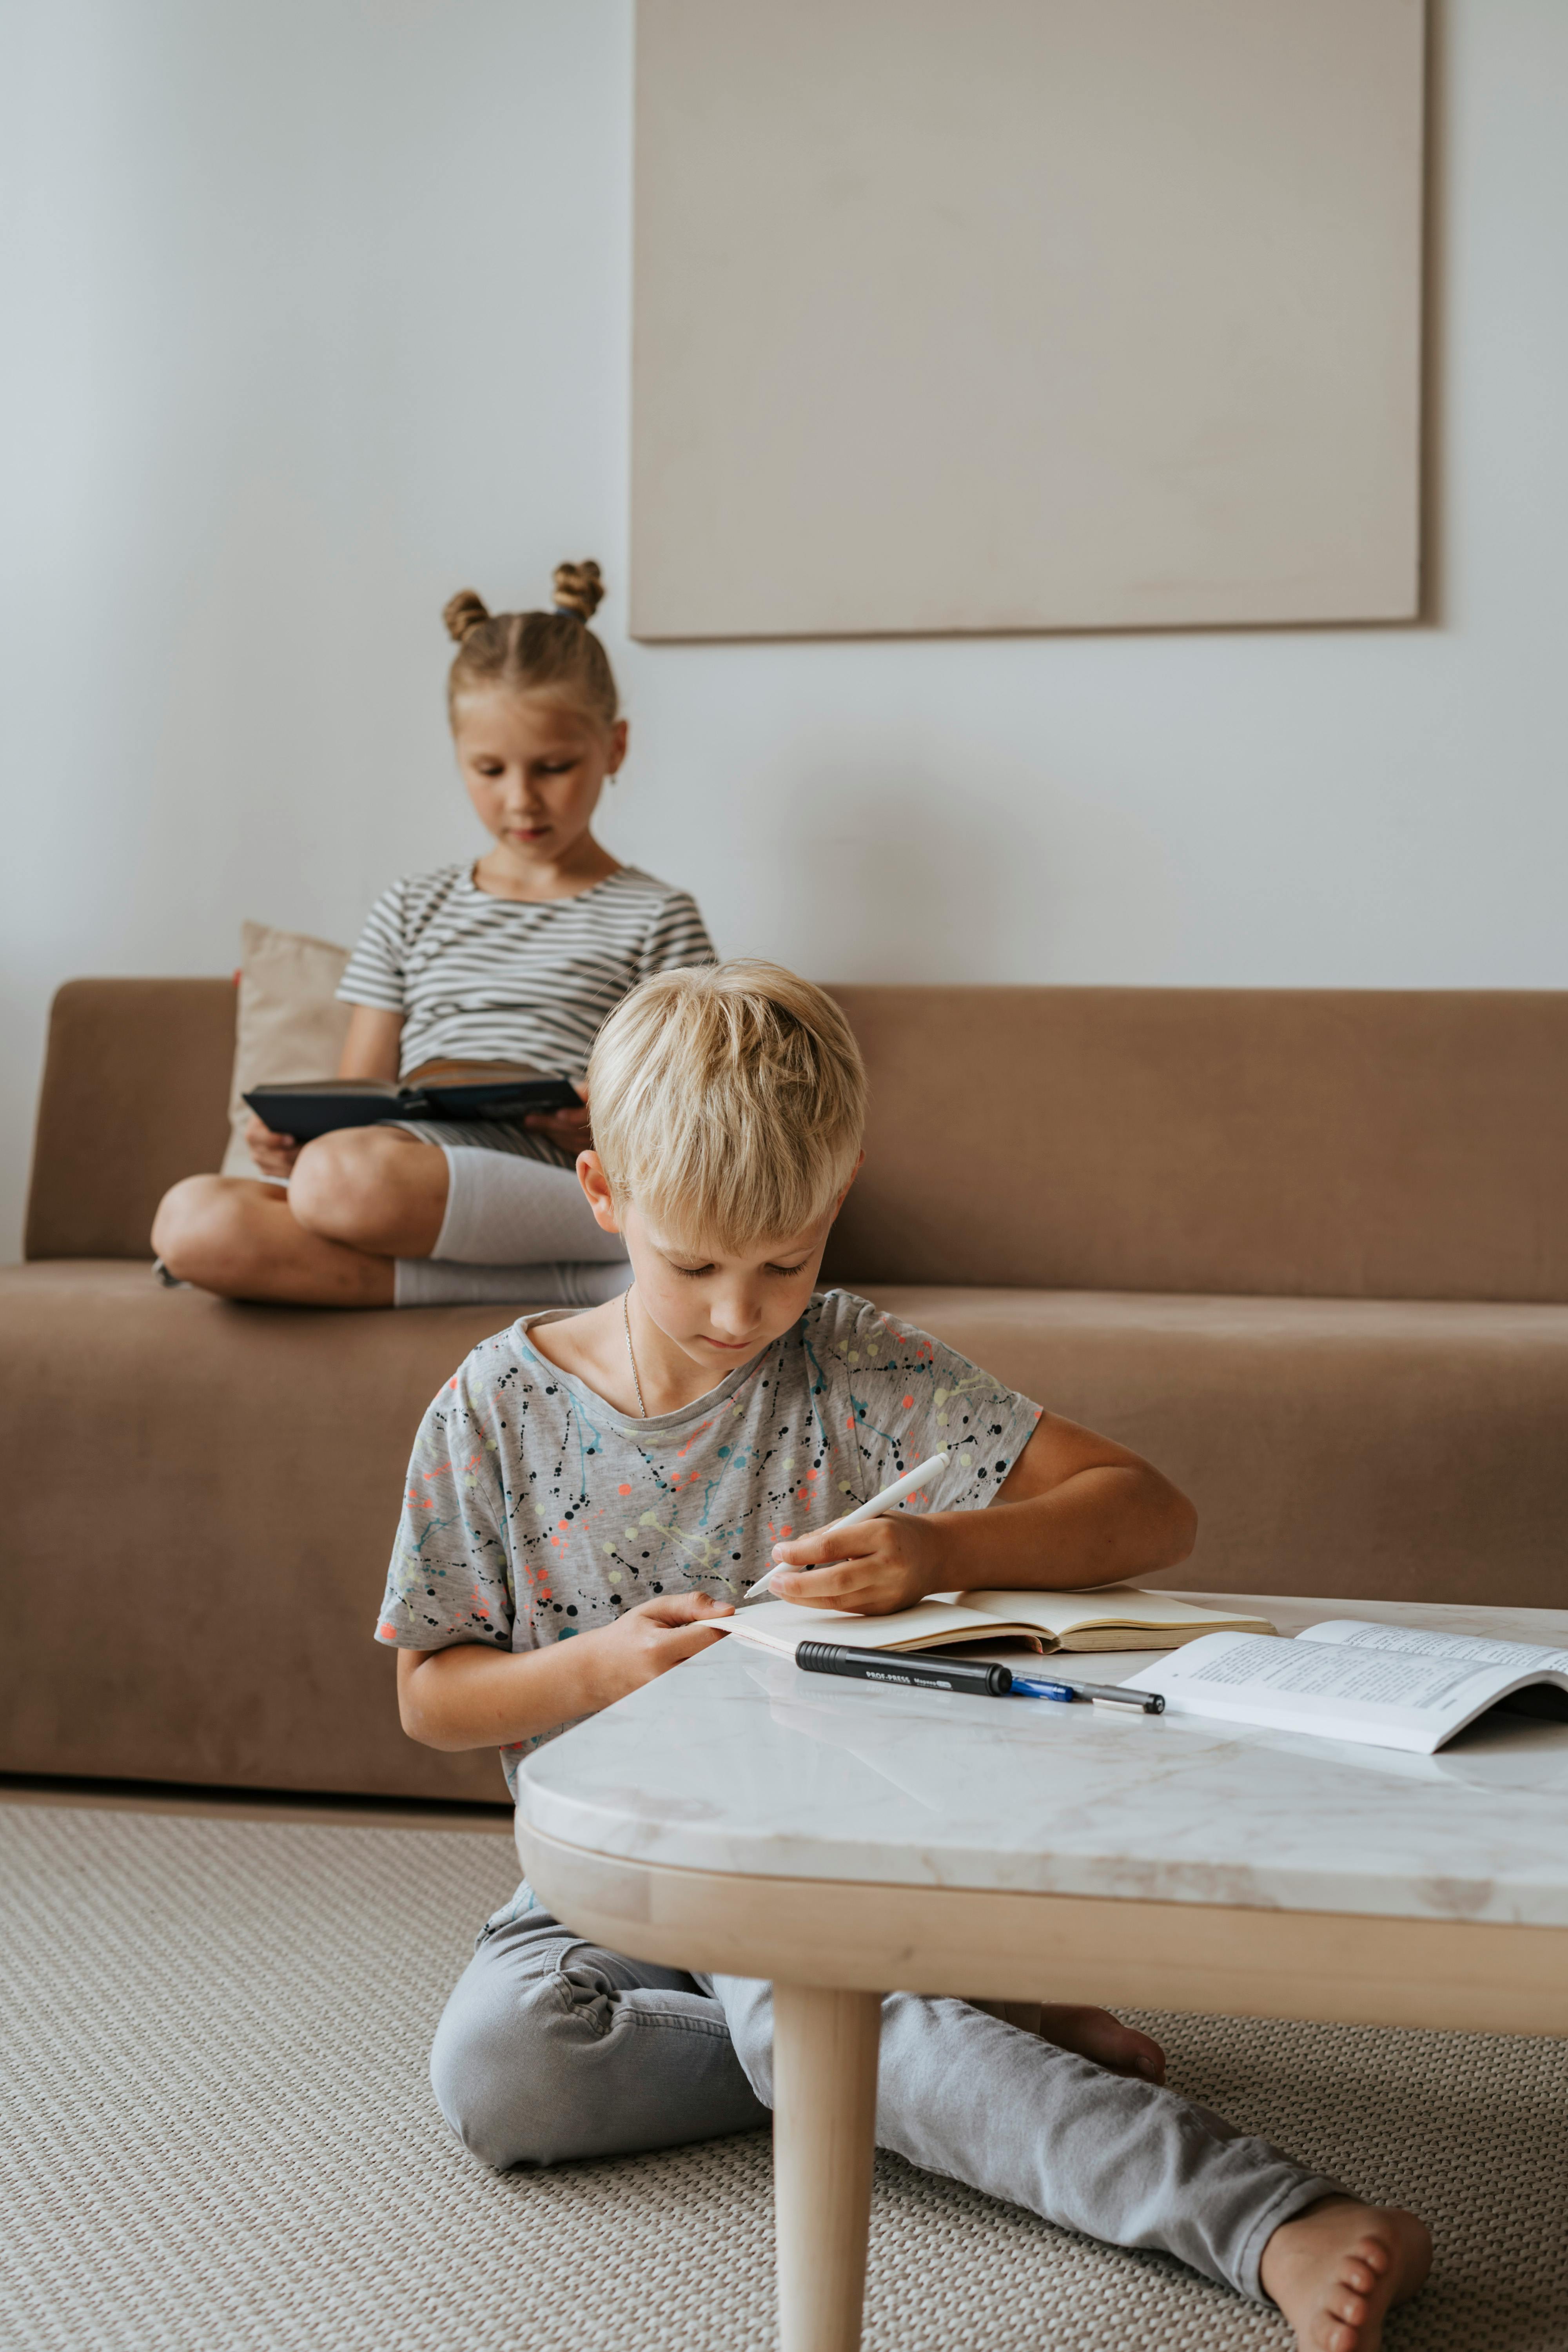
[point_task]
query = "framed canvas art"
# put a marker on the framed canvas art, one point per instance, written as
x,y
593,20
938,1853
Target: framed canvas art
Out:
x,y
1025,315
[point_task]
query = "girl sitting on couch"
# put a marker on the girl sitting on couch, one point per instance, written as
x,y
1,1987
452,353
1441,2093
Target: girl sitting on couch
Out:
x,y
517,959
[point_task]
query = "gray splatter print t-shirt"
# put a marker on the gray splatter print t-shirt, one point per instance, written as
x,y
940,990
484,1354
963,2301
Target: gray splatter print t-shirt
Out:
x,y
535,1511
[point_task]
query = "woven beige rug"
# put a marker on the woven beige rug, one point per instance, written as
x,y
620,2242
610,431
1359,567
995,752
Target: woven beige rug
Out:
x,y
215,2133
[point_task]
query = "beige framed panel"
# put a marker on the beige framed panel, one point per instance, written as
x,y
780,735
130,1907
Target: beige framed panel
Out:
x,y
1208,1959
1027,314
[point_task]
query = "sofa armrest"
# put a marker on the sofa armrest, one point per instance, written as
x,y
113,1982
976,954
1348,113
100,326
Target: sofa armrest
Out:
x,y
135,1095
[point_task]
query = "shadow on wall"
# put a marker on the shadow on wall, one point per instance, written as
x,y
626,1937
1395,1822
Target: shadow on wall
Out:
x,y
915,877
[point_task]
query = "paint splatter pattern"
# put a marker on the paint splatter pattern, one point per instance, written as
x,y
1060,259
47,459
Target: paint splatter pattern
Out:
x,y
534,1511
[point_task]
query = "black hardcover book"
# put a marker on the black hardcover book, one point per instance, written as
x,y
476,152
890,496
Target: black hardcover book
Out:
x,y
307,1107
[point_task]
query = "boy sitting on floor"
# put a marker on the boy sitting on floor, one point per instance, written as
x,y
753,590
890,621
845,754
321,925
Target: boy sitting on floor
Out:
x,y
614,1476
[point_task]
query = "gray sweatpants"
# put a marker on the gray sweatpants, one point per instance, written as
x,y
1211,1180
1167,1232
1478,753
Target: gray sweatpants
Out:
x,y
551,2048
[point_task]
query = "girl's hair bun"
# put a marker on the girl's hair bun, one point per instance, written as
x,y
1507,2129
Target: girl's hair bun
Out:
x,y
578,589
535,653
463,612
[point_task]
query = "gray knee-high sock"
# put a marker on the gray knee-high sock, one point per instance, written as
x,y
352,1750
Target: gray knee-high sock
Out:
x,y
441,1282
503,1210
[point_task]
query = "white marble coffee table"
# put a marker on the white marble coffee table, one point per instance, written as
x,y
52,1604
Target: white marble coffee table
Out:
x,y
845,1840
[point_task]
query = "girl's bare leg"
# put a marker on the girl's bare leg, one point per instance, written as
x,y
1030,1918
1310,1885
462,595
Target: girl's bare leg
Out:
x,y
359,1199
375,1188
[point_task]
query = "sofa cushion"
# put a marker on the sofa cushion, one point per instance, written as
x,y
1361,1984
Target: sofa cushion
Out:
x,y
1326,1143
134,1084
1402,1451
201,1500
200,1497
1320,1142
290,1023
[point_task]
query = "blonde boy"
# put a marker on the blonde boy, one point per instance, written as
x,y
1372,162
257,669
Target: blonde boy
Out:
x,y
592,1490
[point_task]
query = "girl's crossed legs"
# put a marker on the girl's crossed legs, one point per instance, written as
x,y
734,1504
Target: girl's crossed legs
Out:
x,y
551,2048
374,1217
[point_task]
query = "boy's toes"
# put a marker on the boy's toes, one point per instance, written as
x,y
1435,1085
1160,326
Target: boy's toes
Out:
x,y
1144,2057
1334,2278
1095,2033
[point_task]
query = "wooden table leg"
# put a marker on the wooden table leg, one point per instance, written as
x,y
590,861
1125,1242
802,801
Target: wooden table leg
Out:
x,y
824,2118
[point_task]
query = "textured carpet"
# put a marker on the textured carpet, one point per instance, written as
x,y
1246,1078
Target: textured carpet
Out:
x,y
217,2133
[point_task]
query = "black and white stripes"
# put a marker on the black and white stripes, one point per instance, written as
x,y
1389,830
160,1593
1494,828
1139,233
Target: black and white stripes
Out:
x,y
481,978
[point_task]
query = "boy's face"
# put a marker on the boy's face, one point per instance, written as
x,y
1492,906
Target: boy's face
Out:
x,y
716,1308
720,1310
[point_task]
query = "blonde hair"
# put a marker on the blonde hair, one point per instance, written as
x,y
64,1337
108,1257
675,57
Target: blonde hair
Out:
x,y
552,652
728,1103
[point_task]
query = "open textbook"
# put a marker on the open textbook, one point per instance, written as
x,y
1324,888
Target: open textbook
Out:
x,y
1117,1617
1389,1685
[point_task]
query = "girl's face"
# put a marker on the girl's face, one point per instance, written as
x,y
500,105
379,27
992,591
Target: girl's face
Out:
x,y
534,768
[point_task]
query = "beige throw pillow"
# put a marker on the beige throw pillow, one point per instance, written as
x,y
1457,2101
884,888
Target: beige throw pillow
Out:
x,y
290,1025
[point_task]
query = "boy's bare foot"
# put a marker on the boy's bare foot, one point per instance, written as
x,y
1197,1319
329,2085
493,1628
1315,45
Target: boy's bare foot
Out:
x,y
1095,2033
1335,2270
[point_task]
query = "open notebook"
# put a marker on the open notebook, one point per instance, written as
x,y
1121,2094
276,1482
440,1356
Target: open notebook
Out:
x,y
1117,1617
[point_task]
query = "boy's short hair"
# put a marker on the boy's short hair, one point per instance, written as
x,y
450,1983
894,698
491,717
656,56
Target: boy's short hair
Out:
x,y
728,1103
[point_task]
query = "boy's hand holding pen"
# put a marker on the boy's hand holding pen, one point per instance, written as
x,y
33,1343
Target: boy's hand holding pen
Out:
x,y
878,1559
875,1560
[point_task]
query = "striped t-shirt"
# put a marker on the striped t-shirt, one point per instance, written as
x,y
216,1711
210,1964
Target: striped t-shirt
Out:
x,y
481,978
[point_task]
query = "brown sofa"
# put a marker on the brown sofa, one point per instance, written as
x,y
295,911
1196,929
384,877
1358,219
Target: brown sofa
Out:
x,y
1308,1250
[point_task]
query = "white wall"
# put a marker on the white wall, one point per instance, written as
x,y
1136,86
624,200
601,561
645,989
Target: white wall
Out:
x,y
320,310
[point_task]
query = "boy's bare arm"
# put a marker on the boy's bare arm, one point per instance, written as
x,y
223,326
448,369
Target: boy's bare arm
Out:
x,y
472,1697
1074,1510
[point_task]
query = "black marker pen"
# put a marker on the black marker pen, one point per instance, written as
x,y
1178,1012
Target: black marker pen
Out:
x,y
971,1675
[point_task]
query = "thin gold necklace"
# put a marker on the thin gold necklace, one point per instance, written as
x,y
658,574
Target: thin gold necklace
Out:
x,y
631,1351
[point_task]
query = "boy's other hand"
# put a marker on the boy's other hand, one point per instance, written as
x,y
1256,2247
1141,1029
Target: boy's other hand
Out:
x,y
570,1128
872,1567
274,1154
653,1637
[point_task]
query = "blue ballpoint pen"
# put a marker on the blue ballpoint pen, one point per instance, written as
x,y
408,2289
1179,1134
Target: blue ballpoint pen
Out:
x,y
1115,1694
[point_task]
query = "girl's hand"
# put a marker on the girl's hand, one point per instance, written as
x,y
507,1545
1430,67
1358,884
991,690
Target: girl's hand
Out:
x,y
650,1639
274,1154
568,1128
873,1567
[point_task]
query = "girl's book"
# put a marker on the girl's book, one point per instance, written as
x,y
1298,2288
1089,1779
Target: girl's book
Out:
x,y
306,1107
1388,1686
1117,1617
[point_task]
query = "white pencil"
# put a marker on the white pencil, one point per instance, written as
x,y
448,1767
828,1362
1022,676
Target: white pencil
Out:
x,y
874,1509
